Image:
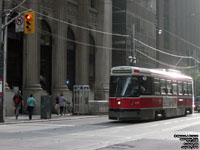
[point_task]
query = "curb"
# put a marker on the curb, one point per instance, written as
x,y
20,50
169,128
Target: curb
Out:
x,y
20,121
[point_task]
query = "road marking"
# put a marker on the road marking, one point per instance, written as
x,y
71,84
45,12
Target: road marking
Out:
x,y
53,125
168,123
153,125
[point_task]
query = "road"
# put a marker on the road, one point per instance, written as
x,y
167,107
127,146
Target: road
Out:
x,y
99,133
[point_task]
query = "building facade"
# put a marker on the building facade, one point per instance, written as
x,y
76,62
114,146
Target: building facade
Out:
x,y
70,47
137,20
180,22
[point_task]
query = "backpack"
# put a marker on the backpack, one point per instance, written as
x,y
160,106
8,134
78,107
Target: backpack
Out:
x,y
16,100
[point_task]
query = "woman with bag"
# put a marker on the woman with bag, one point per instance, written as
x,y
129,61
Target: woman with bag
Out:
x,y
30,105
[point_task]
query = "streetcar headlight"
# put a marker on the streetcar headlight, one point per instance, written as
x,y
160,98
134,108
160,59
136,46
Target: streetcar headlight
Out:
x,y
118,102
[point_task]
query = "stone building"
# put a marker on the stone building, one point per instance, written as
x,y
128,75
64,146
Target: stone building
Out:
x,y
70,47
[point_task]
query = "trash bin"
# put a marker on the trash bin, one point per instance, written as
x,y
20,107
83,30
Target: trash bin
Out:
x,y
45,107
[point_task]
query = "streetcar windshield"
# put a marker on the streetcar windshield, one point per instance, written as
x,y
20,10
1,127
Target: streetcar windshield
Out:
x,y
124,86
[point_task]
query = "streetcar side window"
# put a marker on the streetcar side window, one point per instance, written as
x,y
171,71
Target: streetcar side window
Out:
x,y
169,87
145,85
163,87
185,90
180,88
156,86
189,88
174,88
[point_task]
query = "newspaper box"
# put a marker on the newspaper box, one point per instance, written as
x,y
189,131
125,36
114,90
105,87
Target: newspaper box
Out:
x,y
81,98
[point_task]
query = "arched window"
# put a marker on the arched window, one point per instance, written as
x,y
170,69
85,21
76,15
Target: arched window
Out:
x,y
91,62
46,57
71,55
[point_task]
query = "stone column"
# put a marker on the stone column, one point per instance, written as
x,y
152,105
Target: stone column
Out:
x,y
31,59
103,56
60,58
59,53
31,55
82,51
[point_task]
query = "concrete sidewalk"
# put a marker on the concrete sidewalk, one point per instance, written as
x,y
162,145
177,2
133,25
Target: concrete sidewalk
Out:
x,y
23,118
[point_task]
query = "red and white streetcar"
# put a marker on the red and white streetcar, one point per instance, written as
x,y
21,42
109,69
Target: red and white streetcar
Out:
x,y
145,94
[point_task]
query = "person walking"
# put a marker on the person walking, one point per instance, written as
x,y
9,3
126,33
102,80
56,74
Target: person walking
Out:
x,y
31,102
62,101
17,99
57,104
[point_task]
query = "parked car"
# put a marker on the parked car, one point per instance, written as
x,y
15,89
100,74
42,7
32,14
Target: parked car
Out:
x,y
197,104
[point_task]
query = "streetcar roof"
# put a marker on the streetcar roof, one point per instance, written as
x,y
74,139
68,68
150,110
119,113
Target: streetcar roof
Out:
x,y
130,70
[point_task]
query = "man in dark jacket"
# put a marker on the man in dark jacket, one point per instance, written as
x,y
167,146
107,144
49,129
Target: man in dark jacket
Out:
x,y
17,99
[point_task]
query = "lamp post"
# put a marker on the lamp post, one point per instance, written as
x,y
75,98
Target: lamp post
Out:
x,y
2,62
132,57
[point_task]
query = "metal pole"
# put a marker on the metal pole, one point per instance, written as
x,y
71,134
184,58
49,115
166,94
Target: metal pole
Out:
x,y
5,29
157,35
133,40
132,58
4,33
3,36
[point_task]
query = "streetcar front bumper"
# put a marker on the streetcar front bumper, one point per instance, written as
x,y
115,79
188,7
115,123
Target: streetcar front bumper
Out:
x,y
131,114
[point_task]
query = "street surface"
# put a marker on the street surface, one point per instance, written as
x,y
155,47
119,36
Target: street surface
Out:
x,y
99,133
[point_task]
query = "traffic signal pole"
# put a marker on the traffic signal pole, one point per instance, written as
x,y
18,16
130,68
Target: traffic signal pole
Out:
x,y
4,33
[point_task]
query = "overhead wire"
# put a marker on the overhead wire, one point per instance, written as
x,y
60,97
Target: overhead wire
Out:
x,y
77,42
109,48
75,25
155,24
98,31
160,62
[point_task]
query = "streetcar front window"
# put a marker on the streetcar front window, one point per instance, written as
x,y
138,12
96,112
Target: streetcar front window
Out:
x,y
124,86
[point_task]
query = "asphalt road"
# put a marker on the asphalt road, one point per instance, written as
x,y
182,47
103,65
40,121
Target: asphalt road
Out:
x,y
101,134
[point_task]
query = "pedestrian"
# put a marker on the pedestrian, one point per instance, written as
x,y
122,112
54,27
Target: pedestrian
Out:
x,y
17,99
57,104
31,102
62,101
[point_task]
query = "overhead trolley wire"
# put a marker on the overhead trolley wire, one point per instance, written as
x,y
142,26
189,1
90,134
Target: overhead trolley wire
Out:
x,y
108,33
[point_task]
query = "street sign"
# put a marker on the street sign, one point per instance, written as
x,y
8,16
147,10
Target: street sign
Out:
x,y
19,23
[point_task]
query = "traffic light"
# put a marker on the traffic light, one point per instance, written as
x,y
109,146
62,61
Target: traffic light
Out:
x,y
29,22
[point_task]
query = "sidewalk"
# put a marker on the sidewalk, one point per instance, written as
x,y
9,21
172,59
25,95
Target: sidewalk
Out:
x,y
23,118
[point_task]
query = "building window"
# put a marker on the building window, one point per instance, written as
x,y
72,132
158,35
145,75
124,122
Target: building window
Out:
x,y
92,3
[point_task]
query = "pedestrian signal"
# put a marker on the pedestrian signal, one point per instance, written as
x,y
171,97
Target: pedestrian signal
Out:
x,y
29,22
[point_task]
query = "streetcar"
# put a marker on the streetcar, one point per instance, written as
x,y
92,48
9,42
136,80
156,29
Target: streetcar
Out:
x,y
149,94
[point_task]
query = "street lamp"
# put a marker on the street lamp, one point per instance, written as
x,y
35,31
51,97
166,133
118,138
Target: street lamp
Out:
x,y
159,31
132,60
